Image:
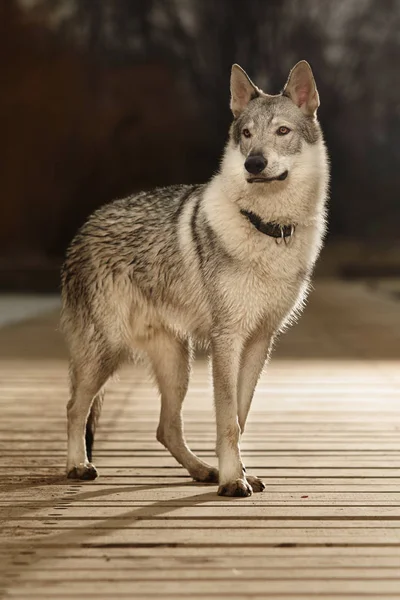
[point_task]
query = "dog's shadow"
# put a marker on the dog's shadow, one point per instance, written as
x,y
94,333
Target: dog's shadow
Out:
x,y
85,536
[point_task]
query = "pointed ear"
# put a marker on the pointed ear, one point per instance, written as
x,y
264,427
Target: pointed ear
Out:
x,y
301,88
242,90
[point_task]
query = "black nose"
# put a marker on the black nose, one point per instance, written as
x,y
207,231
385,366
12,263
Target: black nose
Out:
x,y
255,164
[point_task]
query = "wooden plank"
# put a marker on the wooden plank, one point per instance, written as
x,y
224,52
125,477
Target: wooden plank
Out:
x,y
232,586
197,493
56,471
74,510
182,573
254,450
315,564
222,537
11,476
225,525
221,594
32,554
195,490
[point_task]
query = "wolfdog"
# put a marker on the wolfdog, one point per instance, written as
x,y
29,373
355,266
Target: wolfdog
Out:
x,y
226,264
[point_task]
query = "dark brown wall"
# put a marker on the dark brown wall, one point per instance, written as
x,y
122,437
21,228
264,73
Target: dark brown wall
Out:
x,y
76,134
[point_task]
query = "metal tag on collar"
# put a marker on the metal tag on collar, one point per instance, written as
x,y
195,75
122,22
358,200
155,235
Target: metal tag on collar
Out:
x,y
280,239
289,238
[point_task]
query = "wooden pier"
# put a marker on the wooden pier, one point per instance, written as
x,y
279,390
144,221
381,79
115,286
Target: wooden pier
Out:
x,y
323,433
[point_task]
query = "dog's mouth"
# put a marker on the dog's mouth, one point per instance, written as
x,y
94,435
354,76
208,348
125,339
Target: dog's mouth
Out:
x,y
280,177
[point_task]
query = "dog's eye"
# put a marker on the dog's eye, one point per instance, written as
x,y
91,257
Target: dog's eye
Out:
x,y
283,130
246,133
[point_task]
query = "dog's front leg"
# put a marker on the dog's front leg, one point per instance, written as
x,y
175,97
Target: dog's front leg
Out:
x,y
226,353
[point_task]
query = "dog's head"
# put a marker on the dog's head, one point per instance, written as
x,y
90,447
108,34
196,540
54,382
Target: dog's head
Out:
x,y
269,133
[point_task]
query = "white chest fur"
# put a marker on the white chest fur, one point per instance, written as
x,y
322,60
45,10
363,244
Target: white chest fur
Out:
x,y
267,288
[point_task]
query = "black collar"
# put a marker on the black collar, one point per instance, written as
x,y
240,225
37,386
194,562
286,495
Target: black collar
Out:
x,y
275,230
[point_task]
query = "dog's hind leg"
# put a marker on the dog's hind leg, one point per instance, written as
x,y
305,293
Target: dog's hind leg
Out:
x,y
92,421
87,380
170,359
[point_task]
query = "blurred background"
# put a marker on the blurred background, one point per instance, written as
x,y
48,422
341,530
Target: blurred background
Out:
x,y
93,90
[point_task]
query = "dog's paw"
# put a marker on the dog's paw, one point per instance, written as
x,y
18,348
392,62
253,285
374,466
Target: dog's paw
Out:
x,y
206,475
85,471
239,488
256,483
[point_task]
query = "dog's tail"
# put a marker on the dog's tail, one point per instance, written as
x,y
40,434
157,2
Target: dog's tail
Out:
x,y
92,422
